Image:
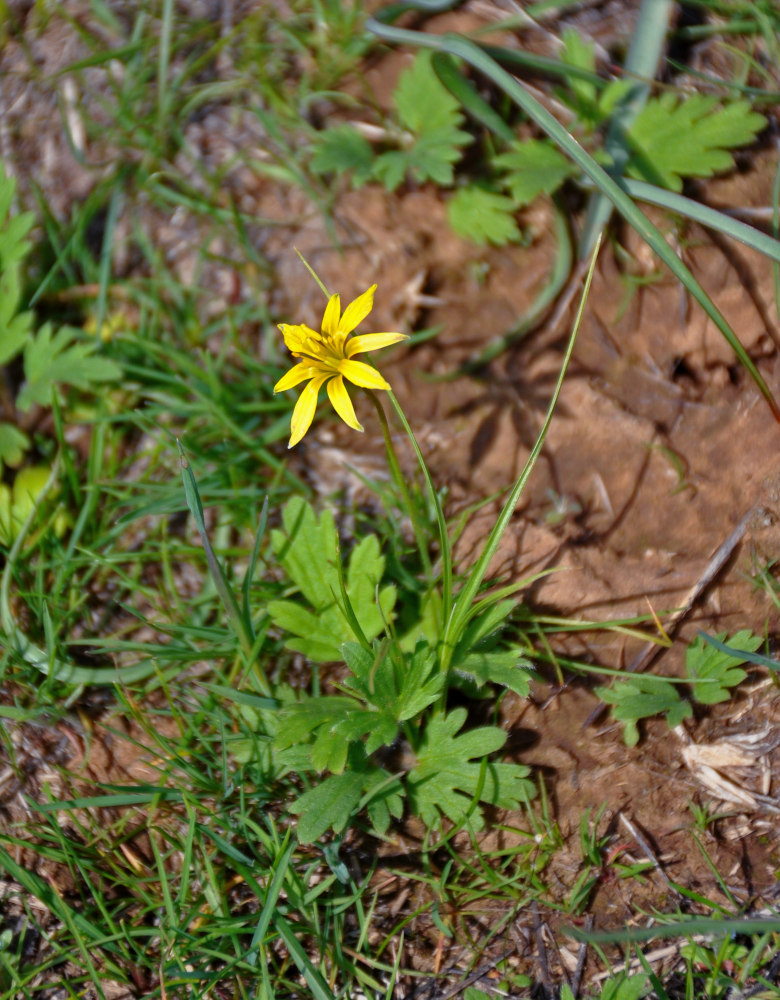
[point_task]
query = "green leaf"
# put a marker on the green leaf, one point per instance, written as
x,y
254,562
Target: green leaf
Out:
x,y
487,622
431,115
333,802
385,800
13,245
592,102
308,551
711,672
534,167
507,667
307,548
445,783
483,216
625,988
421,684
672,140
13,445
18,502
479,659
580,95
433,155
430,158
342,149
334,723
400,685
61,358
641,696
15,327
423,103
329,805
390,169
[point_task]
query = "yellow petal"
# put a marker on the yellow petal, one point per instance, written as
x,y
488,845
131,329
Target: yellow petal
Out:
x,y
342,404
295,337
330,321
357,311
362,374
303,414
297,374
372,342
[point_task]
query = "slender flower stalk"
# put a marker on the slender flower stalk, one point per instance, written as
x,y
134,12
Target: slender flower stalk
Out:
x,y
327,359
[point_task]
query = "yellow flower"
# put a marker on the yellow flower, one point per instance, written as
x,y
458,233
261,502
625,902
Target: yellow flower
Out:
x,y
326,359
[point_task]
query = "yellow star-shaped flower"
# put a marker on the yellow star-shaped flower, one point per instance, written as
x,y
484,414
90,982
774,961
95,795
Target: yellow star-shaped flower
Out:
x,y
327,359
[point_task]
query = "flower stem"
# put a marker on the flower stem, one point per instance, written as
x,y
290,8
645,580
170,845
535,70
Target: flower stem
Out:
x,y
400,483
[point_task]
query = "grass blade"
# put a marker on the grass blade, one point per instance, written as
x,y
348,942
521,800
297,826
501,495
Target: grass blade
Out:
x,y
317,985
242,627
703,214
465,599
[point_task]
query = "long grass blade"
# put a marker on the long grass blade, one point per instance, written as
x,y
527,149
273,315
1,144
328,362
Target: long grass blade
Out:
x,y
465,600
703,214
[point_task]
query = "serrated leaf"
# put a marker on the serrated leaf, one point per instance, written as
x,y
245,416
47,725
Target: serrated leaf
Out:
x,y
423,102
711,672
13,245
13,445
671,140
342,149
433,155
640,697
15,327
386,801
444,781
399,686
534,167
333,723
298,720
379,728
580,95
334,801
431,115
390,168
329,805
421,685
591,102
307,549
507,667
50,360
483,216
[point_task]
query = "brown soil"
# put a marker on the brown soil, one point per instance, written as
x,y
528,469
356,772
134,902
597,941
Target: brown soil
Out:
x,y
660,446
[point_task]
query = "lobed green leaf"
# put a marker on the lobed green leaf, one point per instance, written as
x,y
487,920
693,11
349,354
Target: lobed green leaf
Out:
x,y
483,216
671,140
711,672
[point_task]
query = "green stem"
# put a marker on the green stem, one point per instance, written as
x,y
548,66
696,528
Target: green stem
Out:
x,y
400,484
444,538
